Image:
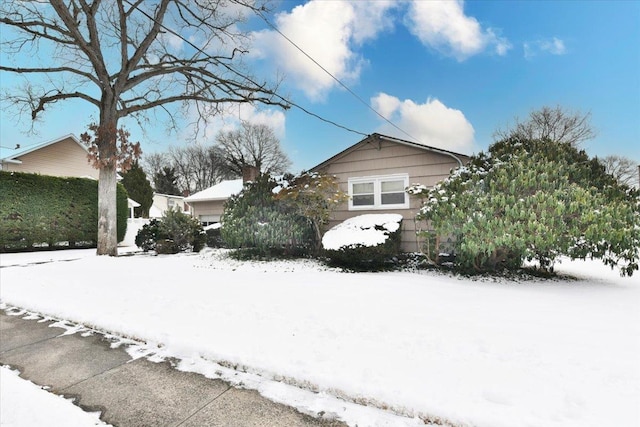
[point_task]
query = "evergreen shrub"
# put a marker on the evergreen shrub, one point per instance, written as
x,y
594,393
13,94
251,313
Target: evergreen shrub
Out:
x,y
534,200
175,232
147,236
47,212
257,223
214,238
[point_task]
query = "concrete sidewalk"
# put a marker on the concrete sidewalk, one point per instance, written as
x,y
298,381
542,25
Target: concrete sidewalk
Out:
x,y
133,392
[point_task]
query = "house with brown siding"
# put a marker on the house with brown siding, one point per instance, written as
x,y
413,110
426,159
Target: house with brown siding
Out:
x,y
208,205
375,172
65,156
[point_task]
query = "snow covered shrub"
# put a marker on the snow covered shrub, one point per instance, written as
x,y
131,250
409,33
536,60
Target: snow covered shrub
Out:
x,y
364,242
175,232
535,200
258,224
214,236
314,195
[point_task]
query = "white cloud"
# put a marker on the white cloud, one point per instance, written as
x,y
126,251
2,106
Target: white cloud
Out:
x,y
172,41
431,123
553,46
442,25
229,118
328,31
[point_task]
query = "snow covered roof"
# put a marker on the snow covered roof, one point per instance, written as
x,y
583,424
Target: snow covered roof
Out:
x,y
13,158
221,191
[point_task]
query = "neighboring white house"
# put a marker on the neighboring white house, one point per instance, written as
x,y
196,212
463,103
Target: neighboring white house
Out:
x,y
164,202
207,205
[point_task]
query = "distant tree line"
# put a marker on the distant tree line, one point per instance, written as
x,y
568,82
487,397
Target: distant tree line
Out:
x,y
188,169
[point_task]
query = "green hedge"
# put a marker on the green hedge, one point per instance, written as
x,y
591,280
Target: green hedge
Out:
x,y
46,211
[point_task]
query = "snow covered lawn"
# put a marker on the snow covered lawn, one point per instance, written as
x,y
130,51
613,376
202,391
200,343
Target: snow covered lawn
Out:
x,y
24,404
481,353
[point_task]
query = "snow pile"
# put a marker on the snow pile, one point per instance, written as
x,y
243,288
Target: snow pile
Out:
x,y
441,348
25,404
214,226
365,230
219,259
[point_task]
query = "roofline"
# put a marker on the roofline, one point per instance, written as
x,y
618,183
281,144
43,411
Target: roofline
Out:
x,y
36,147
208,199
9,160
168,195
425,147
451,154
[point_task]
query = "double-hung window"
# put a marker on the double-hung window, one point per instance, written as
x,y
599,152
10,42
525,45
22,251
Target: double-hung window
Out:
x,y
378,192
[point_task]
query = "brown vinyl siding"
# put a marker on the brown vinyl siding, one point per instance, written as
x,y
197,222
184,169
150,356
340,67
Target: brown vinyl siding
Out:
x,y
378,157
212,207
64,158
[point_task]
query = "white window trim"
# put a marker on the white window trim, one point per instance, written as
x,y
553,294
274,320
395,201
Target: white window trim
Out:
x,y
377,194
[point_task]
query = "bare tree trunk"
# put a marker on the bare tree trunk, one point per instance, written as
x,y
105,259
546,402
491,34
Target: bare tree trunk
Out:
x,y
107,200
107,219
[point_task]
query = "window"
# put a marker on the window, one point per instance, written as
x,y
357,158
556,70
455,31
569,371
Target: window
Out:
x,y
379,192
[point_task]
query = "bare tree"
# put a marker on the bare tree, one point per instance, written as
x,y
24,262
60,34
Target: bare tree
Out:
x,y
126,57
556,124
253,145
153,164
623,169
198,167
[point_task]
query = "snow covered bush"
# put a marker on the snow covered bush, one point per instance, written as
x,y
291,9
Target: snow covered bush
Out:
x,y
535,200
258,224
214,235
364,241
175,232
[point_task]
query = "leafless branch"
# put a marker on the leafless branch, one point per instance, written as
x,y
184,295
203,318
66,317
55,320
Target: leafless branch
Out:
x,y
557,124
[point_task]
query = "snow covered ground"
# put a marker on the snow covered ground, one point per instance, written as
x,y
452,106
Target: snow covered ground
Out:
x,y
24,404
441,348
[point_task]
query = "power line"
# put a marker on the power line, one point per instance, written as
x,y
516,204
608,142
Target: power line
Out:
x,y
228,67
270,24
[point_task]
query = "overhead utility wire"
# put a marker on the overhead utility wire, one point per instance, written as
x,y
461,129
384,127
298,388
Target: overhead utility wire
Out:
x,y
228,67
270,24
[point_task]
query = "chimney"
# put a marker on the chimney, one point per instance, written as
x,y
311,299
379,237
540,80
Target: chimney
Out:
x,y
249,173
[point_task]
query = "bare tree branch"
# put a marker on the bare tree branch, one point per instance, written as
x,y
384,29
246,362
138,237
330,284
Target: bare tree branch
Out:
x,y
119,56
624,169
19,70
557,124
253,145
43,101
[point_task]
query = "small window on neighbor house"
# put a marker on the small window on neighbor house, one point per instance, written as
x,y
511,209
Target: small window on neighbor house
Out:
x,y
378,192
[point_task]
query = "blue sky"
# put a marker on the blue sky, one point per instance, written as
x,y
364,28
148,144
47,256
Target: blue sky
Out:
x,y
447,73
